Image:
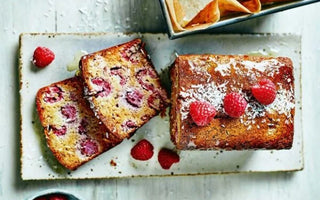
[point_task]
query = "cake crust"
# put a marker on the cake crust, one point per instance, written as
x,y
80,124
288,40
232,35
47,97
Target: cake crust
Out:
x,y
210,78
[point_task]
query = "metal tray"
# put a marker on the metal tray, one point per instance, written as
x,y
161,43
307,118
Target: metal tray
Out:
x,y
37,161
265,10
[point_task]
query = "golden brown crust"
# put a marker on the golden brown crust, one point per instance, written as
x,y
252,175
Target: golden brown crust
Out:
x,y
268,127
174,110
61,106
134,93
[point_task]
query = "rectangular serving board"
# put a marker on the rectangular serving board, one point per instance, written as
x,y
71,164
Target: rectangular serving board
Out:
x,y
38,163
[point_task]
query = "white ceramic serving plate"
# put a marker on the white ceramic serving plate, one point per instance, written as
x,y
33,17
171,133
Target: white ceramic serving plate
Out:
x,y
265,10
37,161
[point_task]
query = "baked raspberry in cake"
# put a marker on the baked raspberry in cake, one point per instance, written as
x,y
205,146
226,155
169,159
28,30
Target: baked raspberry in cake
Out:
x,y
123,87
73,133
244,102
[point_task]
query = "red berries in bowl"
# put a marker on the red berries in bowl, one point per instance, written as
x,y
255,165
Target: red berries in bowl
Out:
x,y
53,197
42,57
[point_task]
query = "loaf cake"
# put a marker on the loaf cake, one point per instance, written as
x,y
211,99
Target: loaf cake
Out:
x,y
73,133
210,78
123,87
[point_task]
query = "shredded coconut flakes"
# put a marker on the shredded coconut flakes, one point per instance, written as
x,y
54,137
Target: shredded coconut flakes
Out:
x,y
209,92
214,94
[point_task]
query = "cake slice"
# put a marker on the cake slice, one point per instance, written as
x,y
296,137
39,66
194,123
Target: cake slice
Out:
x,y
209,78
73,133
123,87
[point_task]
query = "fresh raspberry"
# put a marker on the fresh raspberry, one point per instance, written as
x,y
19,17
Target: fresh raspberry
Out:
x,y
69,112
104,87
264,91
57,197
202,112
88,147
143,150
42,57
167,158
134,98
234,104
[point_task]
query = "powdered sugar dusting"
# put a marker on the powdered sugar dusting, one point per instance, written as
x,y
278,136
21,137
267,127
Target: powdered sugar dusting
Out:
x,y
224,69
210,92
260,66
270,66
198,66
214,94
284,103
254,110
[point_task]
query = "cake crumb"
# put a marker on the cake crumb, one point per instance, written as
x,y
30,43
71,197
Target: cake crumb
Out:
x,y
113,163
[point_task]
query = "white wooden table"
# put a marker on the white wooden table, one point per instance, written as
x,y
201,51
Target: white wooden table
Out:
x,y
145,16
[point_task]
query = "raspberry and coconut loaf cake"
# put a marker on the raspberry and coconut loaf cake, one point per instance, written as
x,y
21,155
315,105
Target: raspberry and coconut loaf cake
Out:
x,y
232,102
73,133
123,87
